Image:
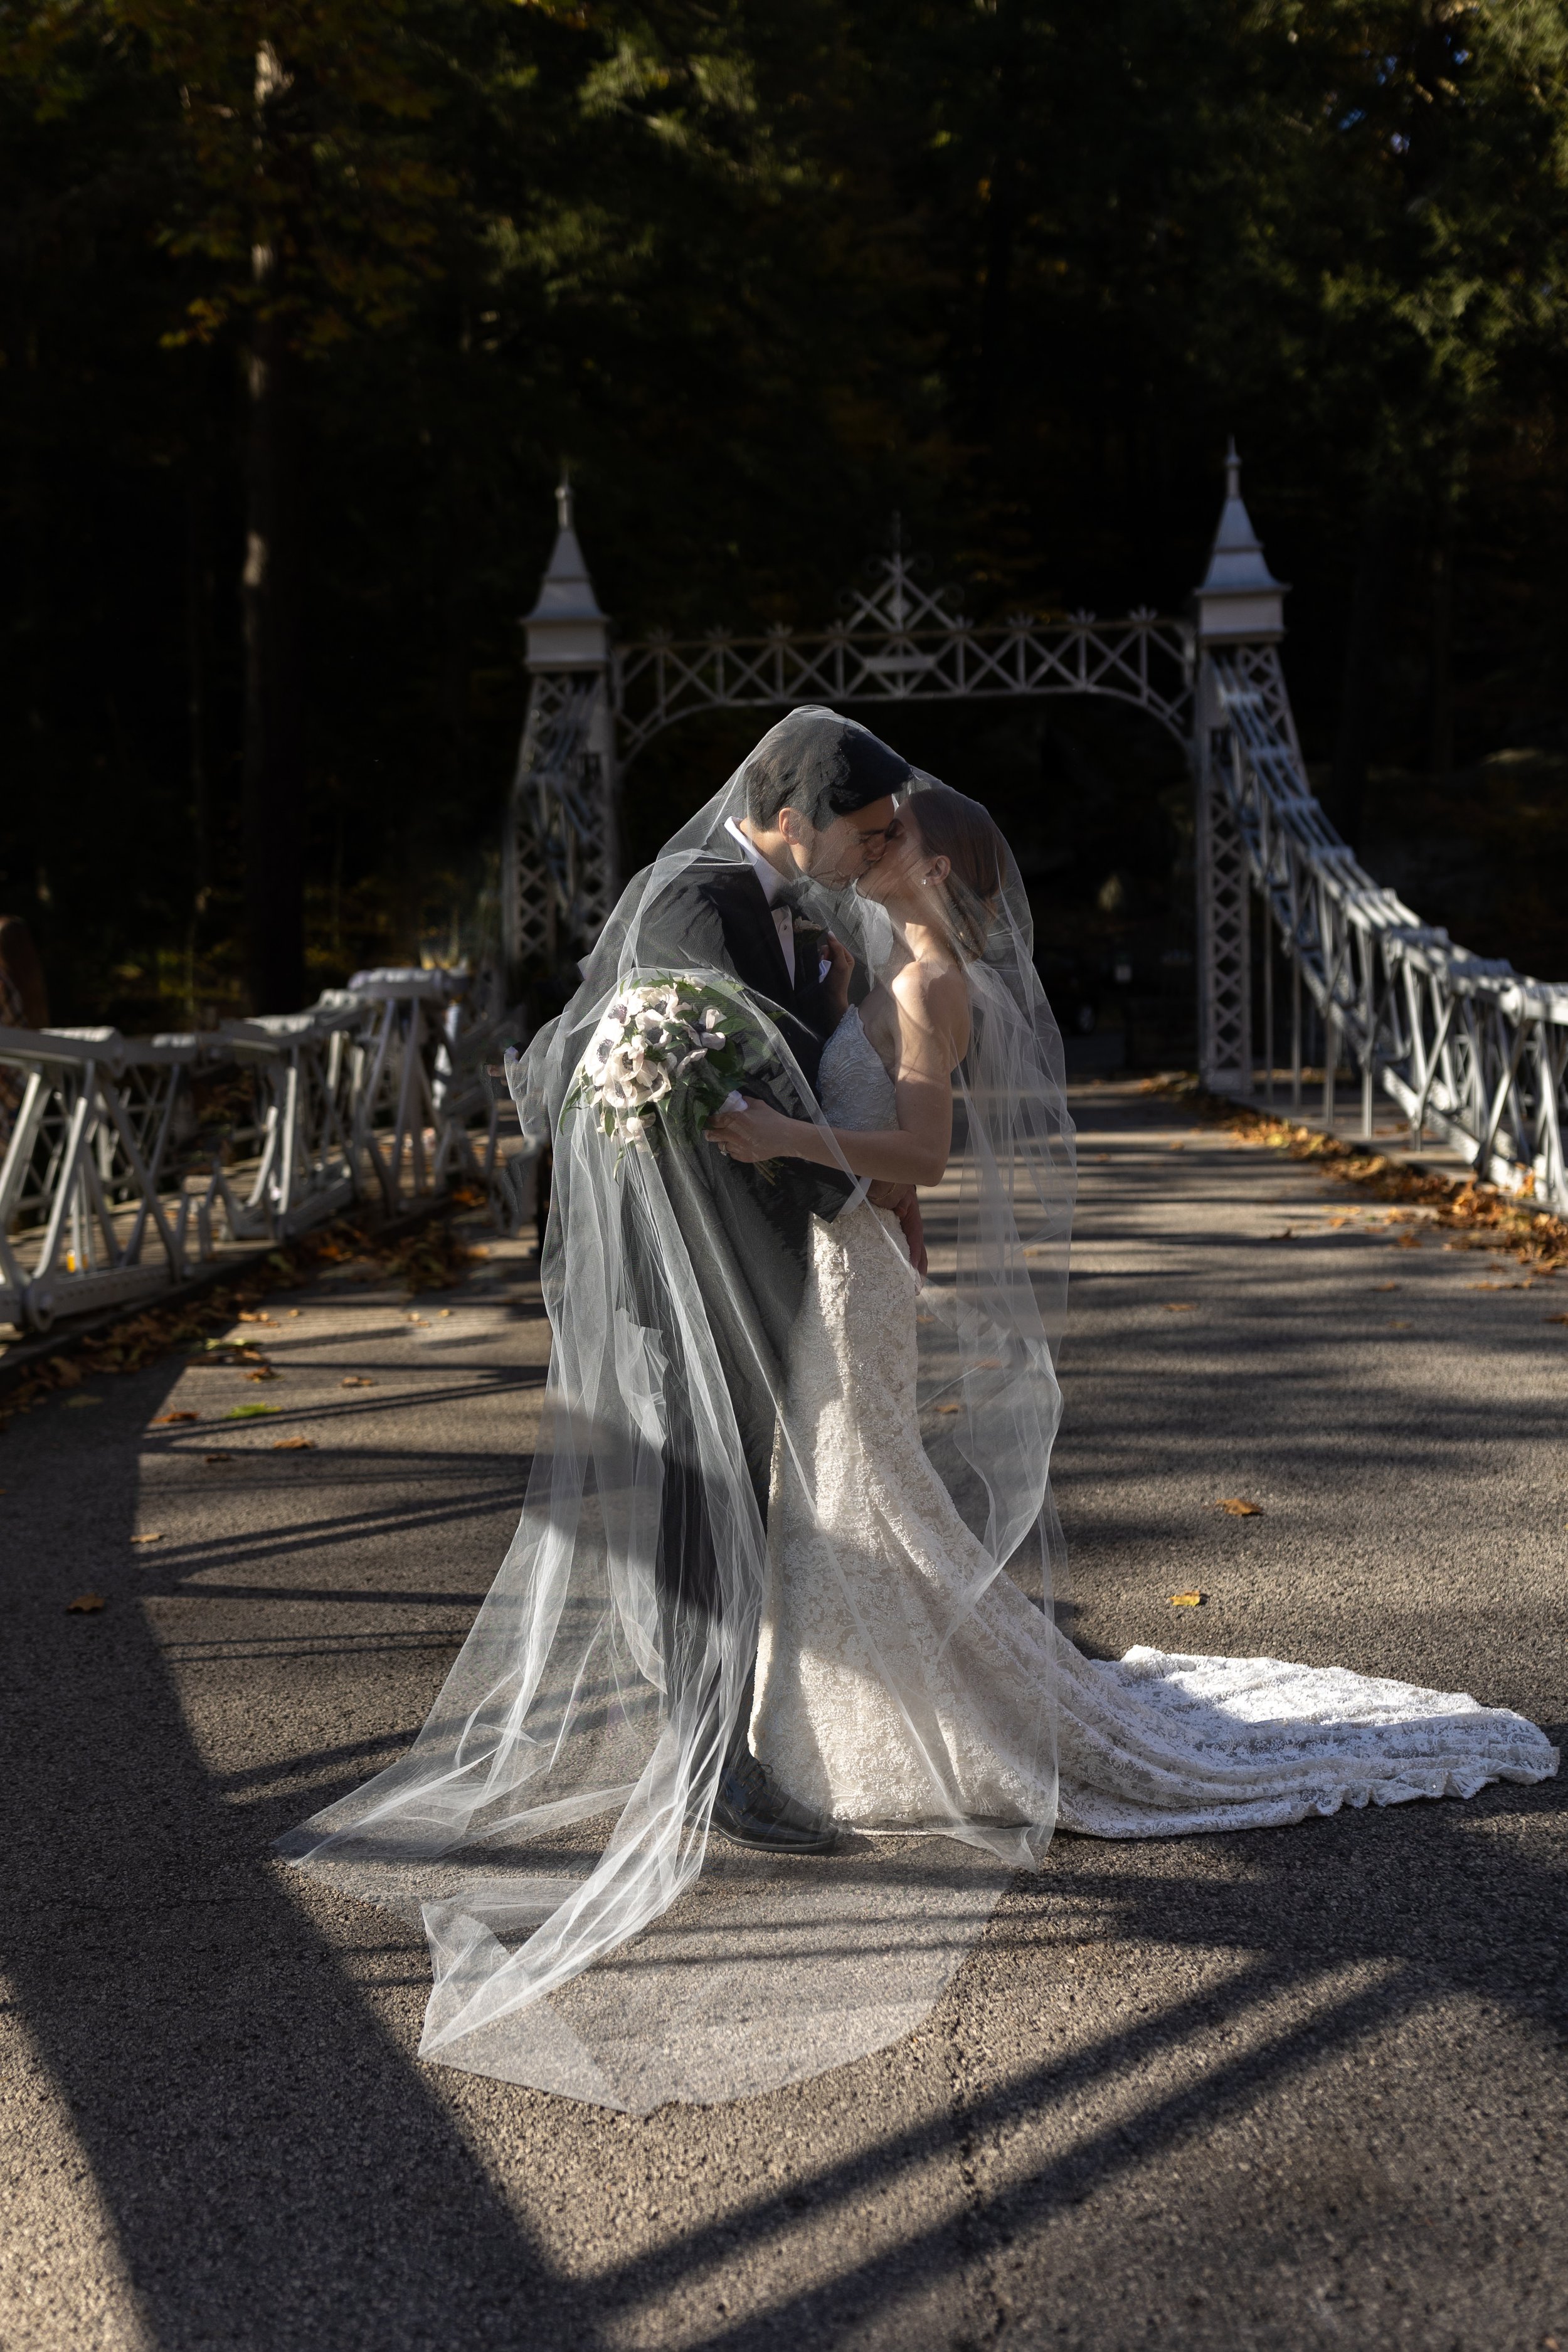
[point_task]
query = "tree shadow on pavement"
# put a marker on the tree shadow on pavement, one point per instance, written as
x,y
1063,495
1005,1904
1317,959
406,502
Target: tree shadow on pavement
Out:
x,y
279,2174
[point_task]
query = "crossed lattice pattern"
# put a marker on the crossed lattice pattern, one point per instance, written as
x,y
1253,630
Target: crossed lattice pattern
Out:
x,y
124,1156
901,643
1471,1051
560,880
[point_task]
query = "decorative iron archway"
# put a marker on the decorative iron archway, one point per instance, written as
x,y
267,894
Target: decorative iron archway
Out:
x,y
1470,1051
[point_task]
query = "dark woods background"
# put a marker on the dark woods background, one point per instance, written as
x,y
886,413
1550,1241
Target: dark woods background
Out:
x,y
302,305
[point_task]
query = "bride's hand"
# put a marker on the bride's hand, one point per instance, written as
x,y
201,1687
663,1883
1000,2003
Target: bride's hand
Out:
x,y
752,1134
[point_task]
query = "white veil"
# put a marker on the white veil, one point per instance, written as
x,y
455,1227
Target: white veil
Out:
x,y
551,1821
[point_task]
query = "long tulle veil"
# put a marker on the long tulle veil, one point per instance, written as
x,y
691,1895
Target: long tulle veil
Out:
x,y
550,1823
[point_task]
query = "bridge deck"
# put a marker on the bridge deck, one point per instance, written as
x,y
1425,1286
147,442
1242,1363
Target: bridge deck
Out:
x,y
1273,2089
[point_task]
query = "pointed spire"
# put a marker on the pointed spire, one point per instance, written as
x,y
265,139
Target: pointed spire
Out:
x,y
566,629
1240,599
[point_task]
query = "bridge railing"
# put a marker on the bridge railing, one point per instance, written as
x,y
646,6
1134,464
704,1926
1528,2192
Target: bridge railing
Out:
x,y
127,1159
1474,1053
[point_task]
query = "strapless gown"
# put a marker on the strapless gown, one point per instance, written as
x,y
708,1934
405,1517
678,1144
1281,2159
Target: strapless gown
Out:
x,y
884,1700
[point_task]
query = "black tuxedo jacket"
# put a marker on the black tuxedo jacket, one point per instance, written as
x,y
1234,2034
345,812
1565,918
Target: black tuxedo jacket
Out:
x,y
745,1233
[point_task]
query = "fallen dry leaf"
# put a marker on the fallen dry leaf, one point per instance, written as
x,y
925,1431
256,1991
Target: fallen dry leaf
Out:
x,y
85,1605
1408,1241
265,1372
147,1539
162,1419
1180,1306
1399,1326
1386,1285
217,1460
258,1317
357,1380
1186,1599
1178,1146
1238,1507
1554,1318
950,1408
291,1444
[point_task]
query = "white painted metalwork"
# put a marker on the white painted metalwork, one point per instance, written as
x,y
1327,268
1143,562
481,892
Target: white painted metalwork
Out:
x,y
902,642
1239,604
591,708
560,871
127,1156
1472,1053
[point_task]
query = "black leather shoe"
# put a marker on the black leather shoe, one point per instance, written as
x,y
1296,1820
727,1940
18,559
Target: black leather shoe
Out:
x,y
752,1812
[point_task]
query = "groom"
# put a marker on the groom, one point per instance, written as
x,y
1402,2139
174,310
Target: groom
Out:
x,y
819,807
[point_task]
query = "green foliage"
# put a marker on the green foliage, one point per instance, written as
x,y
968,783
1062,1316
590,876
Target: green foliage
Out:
x,y
764,273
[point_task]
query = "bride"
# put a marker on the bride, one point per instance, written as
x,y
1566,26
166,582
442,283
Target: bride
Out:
x,y
767,1702
899,1679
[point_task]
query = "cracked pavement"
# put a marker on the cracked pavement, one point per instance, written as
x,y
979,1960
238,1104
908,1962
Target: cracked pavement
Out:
x,y
1276,2089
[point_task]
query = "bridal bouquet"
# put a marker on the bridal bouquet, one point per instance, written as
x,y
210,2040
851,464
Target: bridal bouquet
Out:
x,y
666,1057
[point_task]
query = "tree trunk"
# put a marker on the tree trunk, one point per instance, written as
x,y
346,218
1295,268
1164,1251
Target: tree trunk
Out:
x,y
198,603
274,729
1363,666
993,352
1441,739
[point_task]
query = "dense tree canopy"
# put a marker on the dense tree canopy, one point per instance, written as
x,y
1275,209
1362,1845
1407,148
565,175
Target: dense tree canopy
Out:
x,y
302,305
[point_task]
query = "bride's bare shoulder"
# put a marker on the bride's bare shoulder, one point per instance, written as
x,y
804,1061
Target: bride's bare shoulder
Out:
x,y
932,994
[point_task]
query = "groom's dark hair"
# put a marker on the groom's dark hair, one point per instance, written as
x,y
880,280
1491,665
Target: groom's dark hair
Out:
x,y
823,765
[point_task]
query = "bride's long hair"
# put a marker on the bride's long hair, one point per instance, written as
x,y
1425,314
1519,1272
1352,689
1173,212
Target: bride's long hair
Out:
x,y
950,826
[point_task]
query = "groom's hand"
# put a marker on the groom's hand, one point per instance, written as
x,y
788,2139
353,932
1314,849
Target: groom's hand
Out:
x,y
902,1201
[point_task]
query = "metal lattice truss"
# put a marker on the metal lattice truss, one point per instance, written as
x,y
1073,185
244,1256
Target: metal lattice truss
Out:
x,y
902,642
899,643
127,1158
1474,1054
560,881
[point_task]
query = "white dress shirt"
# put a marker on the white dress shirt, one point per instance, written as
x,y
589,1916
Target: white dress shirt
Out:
x,y
772,881
784,917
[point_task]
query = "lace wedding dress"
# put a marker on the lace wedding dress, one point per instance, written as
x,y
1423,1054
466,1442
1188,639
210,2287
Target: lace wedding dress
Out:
x,y
868,1713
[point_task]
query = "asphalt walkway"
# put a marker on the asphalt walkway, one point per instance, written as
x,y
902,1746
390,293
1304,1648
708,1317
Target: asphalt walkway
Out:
x,y
1276,2090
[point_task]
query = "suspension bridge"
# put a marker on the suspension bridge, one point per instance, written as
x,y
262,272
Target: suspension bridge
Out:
x,y
1202,2091
1471,1053
130,1164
